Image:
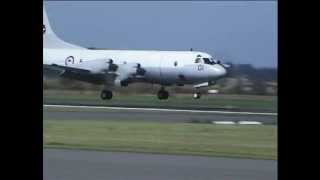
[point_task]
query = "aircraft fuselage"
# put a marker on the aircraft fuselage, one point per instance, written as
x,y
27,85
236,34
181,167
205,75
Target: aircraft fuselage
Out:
x,y
162,67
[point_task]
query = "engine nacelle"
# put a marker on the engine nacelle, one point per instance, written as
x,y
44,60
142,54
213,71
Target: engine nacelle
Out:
x,y
97,66
127,72
131,69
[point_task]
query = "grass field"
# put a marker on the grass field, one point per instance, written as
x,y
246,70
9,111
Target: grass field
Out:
x,y
259,142
244,102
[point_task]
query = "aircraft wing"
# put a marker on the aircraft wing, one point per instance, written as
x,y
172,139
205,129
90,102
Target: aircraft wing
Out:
x,y
100,71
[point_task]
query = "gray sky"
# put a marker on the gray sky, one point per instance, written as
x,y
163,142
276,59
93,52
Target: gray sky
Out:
x,y
240,32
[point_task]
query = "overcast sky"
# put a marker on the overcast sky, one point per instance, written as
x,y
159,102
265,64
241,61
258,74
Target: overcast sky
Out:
x,y
240,32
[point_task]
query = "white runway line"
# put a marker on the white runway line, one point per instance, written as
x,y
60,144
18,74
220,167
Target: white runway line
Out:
x,y
249,122
240,122
223,122
164,110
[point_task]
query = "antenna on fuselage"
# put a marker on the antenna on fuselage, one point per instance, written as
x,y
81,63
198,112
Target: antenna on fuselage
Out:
x,y
191,49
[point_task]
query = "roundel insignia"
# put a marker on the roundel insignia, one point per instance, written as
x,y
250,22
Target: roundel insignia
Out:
x,y
69,60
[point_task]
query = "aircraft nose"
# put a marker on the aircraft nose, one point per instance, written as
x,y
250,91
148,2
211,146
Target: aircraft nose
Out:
x,y
218,71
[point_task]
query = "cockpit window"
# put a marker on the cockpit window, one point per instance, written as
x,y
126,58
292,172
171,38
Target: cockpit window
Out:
x,y
206,61
215,61
209,61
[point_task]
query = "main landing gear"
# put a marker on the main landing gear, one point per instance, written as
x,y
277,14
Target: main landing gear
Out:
x,y
106,94
163,94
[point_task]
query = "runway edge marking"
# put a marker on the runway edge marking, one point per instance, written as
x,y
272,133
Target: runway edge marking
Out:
x,y
239,122
165,110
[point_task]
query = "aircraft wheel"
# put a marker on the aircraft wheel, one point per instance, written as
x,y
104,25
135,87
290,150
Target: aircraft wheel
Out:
x,y
196,95
106,95
162,94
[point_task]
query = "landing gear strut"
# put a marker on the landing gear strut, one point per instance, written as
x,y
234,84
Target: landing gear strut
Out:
x,y
106,94
163,94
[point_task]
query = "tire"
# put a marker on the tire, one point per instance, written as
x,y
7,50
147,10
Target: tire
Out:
x,y
196,96
106,95
163,95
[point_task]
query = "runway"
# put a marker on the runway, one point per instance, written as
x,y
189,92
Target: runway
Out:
x,y
63,112
84,165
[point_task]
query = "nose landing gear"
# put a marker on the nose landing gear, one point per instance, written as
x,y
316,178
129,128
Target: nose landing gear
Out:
x,y
197,95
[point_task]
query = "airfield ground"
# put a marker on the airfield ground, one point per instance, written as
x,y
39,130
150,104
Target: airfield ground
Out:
x,y
101,143
145,131
251,141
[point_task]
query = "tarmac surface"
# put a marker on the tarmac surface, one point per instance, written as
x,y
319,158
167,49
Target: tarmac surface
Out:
x,y
93,165
131,114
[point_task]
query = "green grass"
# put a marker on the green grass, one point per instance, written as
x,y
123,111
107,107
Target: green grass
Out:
x,y
253,103
249,141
